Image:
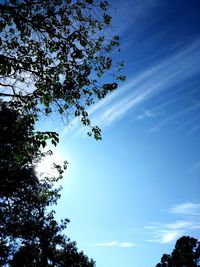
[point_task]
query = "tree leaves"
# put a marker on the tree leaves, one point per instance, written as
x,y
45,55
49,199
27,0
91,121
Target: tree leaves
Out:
x,y
30,235
186,253
56,48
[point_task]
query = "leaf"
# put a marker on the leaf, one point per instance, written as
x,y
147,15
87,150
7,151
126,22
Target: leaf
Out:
x,y
121,78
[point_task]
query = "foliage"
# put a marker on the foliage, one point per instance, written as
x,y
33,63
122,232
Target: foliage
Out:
x,y
185,254
53,52
52,56
29,233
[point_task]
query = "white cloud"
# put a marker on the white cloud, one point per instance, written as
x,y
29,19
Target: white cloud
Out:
x,y
169,236
127,245
147,114
146,85
115,244
178,225
160,77
186,209
165,236
167,232
107,244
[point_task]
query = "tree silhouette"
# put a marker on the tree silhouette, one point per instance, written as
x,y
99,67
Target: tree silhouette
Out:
x,y
30,235
185,254
53,53
52,56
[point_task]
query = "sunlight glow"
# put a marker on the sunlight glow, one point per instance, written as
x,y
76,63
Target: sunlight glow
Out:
x,y
46,166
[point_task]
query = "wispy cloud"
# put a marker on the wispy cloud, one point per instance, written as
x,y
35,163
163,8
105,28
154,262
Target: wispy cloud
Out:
x,y
191,122
115,244
175,116
147,114
165,236
186,209
167,232
165,100
131,18
149,83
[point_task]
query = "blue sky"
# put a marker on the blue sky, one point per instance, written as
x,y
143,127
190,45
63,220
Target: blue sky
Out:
x,y
131,195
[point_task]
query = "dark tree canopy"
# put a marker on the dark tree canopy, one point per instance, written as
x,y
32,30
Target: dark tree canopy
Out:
x,y
52,56
29,234
53,52
185,254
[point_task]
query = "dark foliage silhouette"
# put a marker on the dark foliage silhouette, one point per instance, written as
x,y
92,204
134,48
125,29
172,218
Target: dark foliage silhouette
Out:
x,y
53,53
52,56
185,254
29,233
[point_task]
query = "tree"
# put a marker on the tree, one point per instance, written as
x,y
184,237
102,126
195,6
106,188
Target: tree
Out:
x,y
52,54
30,235
185,254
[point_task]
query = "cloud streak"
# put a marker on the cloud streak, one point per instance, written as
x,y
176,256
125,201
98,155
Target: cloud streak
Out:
x,y
175,116
115,244
147,114
139,89
164,233
146,85
188,208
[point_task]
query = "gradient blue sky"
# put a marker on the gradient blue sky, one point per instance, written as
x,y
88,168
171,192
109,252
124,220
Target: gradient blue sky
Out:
x,y
130,196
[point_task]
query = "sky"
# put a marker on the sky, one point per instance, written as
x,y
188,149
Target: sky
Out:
x,y
130,196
